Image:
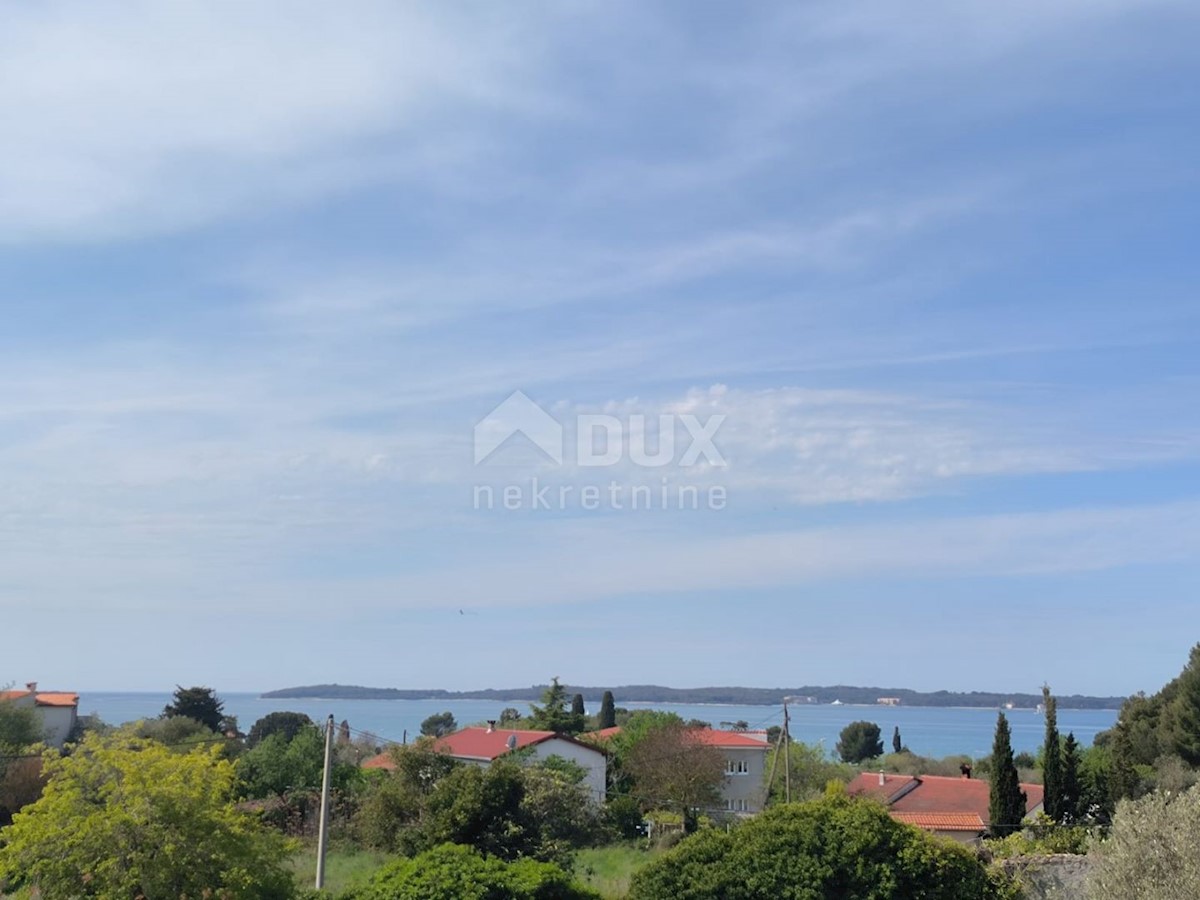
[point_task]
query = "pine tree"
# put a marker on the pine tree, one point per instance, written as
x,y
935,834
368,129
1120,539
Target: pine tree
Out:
x,y
1052,759
200,704
1123,780
1006,806
555,714
608,711
1185,712
1073,807
897,744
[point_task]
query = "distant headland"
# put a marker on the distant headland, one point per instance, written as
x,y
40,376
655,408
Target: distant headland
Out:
x,y
736,696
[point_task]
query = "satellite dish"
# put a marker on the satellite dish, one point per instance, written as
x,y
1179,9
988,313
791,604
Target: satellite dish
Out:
x,y
512,742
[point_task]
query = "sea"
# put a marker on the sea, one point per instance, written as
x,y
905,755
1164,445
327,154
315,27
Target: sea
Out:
x,y
927,730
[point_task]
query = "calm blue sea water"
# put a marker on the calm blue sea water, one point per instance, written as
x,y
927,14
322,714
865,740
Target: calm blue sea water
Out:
x,y
926,730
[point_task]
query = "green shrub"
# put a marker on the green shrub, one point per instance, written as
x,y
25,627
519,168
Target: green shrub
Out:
x,y
454,872
833,847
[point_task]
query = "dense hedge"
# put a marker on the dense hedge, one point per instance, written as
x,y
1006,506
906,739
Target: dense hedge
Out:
x,y
833,847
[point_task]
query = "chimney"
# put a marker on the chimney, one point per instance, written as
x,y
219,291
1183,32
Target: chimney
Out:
x,y
31,686
491,725
882,780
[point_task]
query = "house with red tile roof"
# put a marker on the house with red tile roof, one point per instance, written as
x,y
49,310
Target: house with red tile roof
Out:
x,y
483,745
952,807
58,710
745,755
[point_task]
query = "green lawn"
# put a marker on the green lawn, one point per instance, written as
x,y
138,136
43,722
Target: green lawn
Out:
x,y
343,867
609,869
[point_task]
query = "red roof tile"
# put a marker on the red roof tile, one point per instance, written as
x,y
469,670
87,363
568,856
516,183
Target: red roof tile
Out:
x,y
383,761
481,743
937,794
729,739
44,698
942,821
868,785
711,736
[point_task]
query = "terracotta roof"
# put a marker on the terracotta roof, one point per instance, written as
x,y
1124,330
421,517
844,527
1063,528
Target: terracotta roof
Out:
x,y
712,736
867,785
942,821
936,794
731,739
44,698
56,698
382,761
481,744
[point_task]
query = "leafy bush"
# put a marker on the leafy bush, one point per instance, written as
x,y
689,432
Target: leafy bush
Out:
x,y
833,847
1042,838
508,810
123,817
622,817
452,872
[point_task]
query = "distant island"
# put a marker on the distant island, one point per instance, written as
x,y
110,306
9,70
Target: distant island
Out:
x,y
736,696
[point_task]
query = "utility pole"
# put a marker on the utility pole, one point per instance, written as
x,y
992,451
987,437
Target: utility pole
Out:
x,y
323,828
787,755
774,764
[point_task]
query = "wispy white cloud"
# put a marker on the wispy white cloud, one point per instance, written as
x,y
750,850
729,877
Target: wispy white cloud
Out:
x,y
124,119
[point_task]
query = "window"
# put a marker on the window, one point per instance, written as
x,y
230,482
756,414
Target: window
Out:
x,y
737,767
738,805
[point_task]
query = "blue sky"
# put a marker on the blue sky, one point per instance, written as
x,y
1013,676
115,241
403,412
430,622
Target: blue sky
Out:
x,y
263,268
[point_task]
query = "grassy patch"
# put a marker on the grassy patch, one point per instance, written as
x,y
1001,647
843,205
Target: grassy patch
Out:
x,y
609,869
343,867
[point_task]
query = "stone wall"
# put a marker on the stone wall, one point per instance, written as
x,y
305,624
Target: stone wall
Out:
x,y
1050,877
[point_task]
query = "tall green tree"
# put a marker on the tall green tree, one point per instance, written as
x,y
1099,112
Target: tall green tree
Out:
x,y
289,724
1184,712
859,741
1052,759
608,711
1123,780
278,765
897,744
1006,804
577,706
439,725
555,713
200,704
1074,808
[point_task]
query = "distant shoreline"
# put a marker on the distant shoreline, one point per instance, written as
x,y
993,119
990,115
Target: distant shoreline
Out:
x,y
715,696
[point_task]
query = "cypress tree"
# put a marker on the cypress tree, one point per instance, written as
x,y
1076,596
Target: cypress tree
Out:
x,y
577,707
897,744
1052,767
1073,806
1006,806
608,711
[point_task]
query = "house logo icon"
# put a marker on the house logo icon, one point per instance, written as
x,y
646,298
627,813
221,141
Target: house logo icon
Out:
x,y
518,415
